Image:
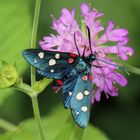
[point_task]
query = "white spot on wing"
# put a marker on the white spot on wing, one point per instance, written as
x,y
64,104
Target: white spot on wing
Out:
x,y
35,61
79,96
52,70
57,55
52,62
70,93
86,92
41,55
84,108
77,113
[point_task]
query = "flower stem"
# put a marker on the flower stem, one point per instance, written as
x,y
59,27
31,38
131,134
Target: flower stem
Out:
x,y
33,76
132,69
7,125
37,117
34,36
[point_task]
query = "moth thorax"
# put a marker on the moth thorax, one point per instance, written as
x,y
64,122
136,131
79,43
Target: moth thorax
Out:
x,y
81,65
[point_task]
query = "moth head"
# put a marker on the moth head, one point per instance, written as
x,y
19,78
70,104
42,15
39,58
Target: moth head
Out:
x,y
91,58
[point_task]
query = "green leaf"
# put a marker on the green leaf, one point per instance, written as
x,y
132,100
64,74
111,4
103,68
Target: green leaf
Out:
x,y
7,125
70,128
4,94
7,136
58,125
15,32
94,133
8,75
42,84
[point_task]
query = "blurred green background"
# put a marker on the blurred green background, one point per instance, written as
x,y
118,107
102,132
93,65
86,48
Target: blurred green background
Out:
x,y
117,118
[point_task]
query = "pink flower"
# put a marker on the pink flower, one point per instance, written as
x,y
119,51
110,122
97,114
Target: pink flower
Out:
x,y
105,78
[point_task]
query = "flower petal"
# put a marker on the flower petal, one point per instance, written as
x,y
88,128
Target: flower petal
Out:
x,y
98,94
84,8
120,79
110,26
122,51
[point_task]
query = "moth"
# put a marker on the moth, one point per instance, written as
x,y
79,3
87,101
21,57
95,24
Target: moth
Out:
x,y
72,72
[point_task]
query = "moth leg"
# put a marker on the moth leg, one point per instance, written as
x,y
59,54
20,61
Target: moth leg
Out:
x,y
97,66
57,85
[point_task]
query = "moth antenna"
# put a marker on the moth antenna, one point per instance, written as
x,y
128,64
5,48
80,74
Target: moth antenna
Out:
x,y
89,37
84,51
119,67
76,44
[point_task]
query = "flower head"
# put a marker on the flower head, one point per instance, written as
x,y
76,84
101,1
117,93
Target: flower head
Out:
x,y
106,77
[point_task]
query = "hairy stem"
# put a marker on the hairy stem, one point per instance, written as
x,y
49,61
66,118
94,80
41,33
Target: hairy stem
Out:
x,y
7,125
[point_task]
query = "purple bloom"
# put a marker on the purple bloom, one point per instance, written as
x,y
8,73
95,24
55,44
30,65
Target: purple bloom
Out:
x,y
106,77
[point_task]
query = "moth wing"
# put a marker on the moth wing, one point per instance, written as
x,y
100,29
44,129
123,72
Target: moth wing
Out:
x,y
51,64
80,100
68,87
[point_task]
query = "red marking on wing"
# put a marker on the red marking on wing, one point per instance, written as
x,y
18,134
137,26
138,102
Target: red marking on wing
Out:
x,y
70,60
60,82
84,78
90,77
73,55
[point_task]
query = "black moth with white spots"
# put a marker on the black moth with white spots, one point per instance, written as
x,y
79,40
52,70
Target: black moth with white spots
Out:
x,y
72,72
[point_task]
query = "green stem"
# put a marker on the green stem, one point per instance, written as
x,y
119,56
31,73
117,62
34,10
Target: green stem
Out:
x,y
34,36
33,76
37,116
7,125
129,68
132,69
23,87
